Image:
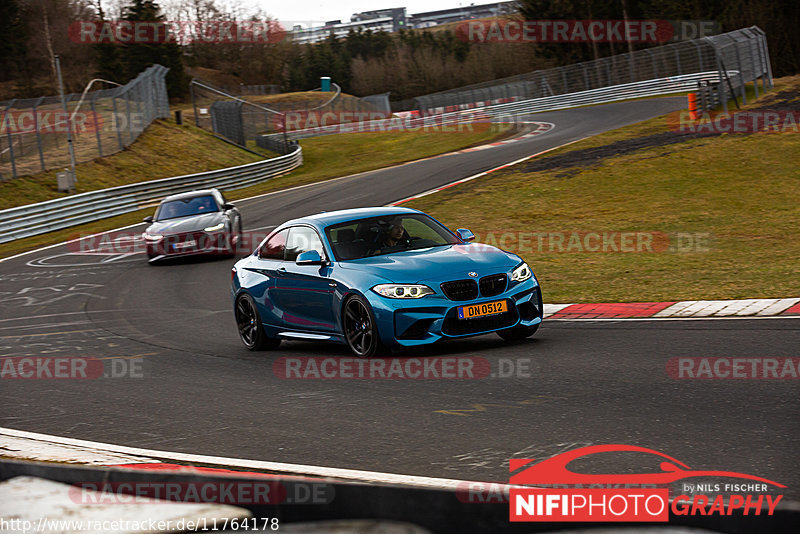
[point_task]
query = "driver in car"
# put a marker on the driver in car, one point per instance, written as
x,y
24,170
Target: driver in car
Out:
x,y
394,236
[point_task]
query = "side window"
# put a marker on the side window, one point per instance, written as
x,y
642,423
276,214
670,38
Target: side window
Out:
x,y
275,246
302,239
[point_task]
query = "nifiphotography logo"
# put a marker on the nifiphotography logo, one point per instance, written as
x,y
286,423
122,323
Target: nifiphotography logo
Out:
x,y
610,497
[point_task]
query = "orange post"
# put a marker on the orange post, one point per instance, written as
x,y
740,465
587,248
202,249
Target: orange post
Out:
x,y
693,106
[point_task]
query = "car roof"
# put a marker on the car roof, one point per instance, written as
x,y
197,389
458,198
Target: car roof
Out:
x,y
329,218
191,194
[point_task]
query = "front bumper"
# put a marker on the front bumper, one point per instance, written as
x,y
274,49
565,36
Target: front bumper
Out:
x,y
429,319
190,243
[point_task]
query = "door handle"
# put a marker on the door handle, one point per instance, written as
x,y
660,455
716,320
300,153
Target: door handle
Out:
x,y
282,270
332,284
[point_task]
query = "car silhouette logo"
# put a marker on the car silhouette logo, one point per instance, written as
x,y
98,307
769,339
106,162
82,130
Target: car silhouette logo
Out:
x,y
473,274
554,470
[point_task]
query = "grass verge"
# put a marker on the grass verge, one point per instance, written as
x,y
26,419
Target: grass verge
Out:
x,y
721,213
164,149
324,158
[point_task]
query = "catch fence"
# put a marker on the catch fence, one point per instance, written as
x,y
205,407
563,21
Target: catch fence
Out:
x,y
738,57
34,131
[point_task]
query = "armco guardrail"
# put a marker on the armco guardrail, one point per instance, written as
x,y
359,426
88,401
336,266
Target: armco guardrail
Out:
x,y
35,219
467,112
647,88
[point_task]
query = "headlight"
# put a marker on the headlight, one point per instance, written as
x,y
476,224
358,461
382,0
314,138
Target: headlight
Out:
x,y
153,238
214,228
402,291
521,273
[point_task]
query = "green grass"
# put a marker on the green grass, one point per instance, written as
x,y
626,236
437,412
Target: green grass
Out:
x,y
164,150
168,150
344,154
742,191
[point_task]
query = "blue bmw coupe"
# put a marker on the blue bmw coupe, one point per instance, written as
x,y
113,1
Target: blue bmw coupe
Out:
x,y
377,278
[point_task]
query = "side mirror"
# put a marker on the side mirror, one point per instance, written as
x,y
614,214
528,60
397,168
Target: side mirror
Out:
x,y
465,235
310,257
148,219
228,206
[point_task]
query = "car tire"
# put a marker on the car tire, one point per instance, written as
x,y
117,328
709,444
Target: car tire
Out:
x,y
360,328
517,333
248,323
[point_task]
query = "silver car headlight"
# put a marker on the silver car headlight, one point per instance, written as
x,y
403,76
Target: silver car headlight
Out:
x,y
214,228
521,273
402,291
153,238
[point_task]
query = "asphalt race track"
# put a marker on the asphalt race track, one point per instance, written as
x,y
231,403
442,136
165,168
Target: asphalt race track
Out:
x,y
200,391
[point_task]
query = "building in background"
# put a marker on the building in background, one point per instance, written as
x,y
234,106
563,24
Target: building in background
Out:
x,y
397,14
396,19
456,14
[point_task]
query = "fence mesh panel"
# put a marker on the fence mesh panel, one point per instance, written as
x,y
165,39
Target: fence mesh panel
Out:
x,y
742,54
33,131
253,116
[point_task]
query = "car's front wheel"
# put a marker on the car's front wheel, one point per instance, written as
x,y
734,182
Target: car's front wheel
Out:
x,y
249,324
360,328
518,332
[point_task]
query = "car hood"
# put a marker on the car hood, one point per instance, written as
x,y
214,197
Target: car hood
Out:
x,y
452,262
191,223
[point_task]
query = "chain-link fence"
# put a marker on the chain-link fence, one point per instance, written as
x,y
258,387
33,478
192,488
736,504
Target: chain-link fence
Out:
x,y
739,57
242,119
34,131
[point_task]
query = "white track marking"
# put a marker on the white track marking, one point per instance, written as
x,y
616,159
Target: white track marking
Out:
x,y
480,174
363,173
331,180
149,456
68,242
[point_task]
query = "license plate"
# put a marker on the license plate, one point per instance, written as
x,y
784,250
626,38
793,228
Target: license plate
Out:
x,y
185,244
481,310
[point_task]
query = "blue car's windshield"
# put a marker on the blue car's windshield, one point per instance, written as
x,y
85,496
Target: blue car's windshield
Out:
x,y
186,207
387,235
